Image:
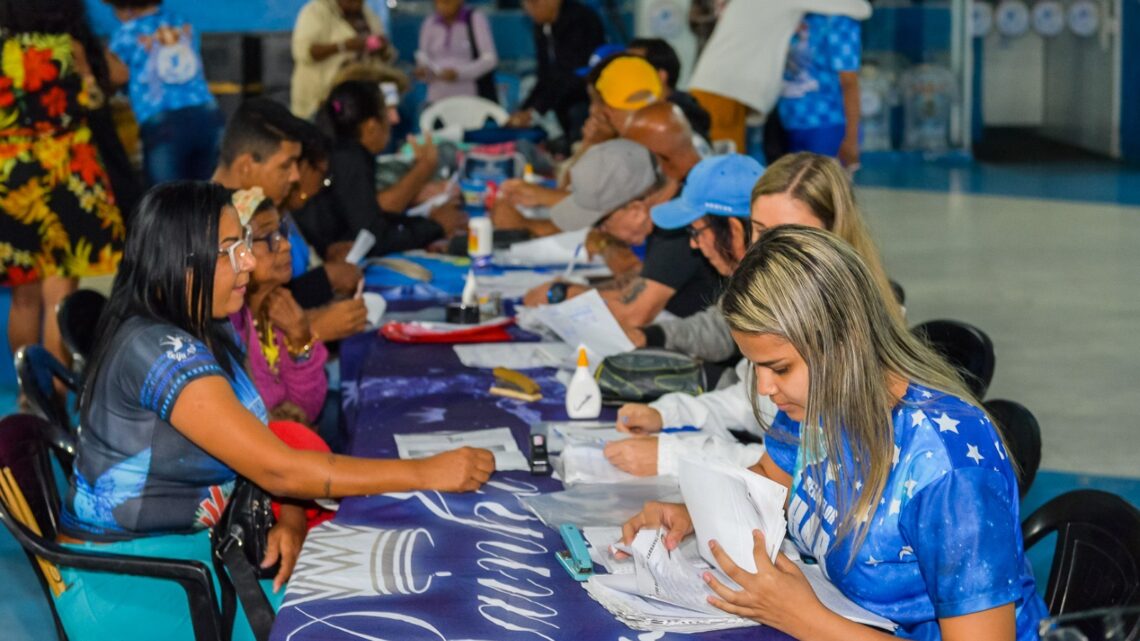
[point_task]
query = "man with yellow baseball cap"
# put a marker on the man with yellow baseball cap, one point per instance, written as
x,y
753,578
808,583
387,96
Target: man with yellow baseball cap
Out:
x,y
618,86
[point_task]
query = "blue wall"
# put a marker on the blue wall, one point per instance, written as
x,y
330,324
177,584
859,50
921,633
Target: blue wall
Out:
x,y
1130,83
511,28
915,32
223,15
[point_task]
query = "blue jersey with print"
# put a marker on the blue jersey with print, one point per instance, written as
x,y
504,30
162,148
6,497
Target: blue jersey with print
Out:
x,y
944,541
135,474
822,47
161,51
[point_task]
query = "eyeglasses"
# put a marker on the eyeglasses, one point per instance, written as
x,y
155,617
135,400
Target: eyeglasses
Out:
x,y
274,238
239,249
695,232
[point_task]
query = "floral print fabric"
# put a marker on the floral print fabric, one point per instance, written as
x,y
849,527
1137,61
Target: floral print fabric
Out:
x,y
59,213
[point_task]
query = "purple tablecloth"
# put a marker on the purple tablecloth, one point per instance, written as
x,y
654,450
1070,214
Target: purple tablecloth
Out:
x,y
427,565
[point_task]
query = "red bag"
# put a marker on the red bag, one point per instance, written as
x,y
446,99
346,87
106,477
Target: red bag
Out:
x,y
418,332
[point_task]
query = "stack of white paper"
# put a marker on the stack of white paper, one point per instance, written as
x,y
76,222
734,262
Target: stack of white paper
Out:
x,y
498,440
727,503
601,505
617,593
673,576
600,538
667,591
560,434
513,355
585,461
558,249
622,594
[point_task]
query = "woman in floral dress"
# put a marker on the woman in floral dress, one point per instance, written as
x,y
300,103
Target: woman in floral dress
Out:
x,y
59,220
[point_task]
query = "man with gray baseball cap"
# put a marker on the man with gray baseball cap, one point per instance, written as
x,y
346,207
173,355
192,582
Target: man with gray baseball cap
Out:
x,y
606,178
614,186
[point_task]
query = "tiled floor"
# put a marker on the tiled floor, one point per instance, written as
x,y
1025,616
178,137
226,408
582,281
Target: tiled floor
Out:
x,y
1045,260
1055,284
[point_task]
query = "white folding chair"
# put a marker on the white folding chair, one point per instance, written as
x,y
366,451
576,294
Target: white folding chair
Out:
x,y
451,117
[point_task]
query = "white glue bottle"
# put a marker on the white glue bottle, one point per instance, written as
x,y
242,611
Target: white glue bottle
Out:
x,y
480,240
469,296
583,398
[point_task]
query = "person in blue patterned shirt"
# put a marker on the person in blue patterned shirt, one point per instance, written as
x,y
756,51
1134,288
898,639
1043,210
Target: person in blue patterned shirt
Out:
x,y
900,486
180,125
819,103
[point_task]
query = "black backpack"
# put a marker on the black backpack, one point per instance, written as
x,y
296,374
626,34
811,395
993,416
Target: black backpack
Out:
x,y
484,84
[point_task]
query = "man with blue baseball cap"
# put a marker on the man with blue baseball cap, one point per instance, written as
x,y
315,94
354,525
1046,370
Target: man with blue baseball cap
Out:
x,y
715,206
717,186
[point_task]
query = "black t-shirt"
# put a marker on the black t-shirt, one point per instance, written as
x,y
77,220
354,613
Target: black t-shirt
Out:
x,y
670,261
349,205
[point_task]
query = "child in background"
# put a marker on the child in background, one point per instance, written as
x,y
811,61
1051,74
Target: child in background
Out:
x,y
179,122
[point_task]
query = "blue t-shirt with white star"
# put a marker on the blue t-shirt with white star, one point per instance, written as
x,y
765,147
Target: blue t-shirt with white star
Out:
x,y
946,538
822,47
162,53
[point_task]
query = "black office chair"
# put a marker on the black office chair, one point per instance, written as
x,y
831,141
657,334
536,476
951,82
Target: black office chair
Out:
x,y
965,347
1022,436
78,315
24,453
36,371
1096,562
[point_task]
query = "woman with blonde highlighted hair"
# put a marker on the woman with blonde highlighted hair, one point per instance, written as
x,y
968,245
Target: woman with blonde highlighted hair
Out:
x,y
814,190
899,484
804,189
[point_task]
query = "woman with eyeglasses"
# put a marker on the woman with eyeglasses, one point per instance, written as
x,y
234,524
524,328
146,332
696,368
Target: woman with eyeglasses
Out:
x,y
900,486
803,189
171,419
286,356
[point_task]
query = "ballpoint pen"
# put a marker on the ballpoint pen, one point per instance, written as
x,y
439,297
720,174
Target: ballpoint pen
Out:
x,y
570,265
682,428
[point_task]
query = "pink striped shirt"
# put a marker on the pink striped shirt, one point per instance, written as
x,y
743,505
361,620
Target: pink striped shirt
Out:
x,y
447,46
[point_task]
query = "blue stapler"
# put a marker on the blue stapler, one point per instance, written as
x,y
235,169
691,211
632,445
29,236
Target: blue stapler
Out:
x,y
575,558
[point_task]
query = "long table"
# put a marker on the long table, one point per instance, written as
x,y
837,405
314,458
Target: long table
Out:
x,y
431,565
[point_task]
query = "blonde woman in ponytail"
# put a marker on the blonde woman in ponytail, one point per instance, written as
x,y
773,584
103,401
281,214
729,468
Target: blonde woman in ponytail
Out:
x,y
899,484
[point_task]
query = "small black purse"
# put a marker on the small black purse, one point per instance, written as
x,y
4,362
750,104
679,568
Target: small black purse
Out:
x,y
240,539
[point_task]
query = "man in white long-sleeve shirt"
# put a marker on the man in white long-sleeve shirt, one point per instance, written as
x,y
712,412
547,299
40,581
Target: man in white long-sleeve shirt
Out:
x,y
742,66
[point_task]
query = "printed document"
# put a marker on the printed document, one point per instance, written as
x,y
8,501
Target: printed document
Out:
x,y
586,320
498,440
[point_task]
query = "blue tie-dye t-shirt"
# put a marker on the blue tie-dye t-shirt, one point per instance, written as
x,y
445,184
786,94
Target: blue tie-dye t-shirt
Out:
x,y
944,541
822,47
162,54
135,474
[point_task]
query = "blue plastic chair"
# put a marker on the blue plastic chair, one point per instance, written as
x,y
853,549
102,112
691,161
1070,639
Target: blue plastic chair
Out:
x,y
24,453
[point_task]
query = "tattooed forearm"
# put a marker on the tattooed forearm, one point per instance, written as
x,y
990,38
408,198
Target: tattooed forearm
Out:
x,y
328,477
631,291
620,282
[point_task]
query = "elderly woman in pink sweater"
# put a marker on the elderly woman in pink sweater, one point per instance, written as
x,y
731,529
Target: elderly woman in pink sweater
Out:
x,y
286,358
